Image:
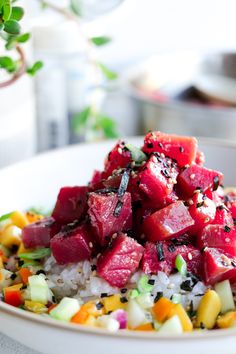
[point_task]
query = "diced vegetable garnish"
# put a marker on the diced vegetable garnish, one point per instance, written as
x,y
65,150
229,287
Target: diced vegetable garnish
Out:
x,y
181,265
37,254
224,291
208,310
171,326
66,309
39,290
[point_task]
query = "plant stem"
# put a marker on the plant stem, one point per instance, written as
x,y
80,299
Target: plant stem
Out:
x,y
19,72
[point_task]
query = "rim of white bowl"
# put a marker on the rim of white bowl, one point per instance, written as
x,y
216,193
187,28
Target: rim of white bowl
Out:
x,y
122,334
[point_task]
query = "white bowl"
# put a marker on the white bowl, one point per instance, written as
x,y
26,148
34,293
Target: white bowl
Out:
x,y
36,182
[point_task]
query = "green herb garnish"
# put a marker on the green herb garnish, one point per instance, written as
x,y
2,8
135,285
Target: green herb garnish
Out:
x,y
181,265
137,155
37,254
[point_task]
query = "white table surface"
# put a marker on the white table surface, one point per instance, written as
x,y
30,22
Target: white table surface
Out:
x,y
9,346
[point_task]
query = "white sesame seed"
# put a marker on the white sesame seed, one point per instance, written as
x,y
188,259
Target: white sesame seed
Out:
x,y
227,239
190,257
120,150
90,245
192,176
171,286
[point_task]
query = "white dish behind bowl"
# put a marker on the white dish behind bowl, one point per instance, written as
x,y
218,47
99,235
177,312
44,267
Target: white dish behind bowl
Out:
x,y
36,182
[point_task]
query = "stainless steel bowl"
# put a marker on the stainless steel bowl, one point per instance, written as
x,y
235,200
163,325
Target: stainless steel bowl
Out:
x,y
173,74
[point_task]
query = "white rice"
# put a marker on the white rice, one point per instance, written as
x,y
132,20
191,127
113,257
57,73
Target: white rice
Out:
x,y
80,281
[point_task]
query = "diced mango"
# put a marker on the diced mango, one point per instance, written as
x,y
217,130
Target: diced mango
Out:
x,y
13,287
33,217
86,311
145,327
35,307
228,320
112,303
1,262
11,236
208,309
178,310
19,219
162,308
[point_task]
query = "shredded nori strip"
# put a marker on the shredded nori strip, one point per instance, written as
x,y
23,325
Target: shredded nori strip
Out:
x,y
171,248
103,295
160,252
159,295
118,208
151,281
199,205
191,311
216,183
123,299
186,285
124,183
40,271
99,305
123,291
233,264
93,267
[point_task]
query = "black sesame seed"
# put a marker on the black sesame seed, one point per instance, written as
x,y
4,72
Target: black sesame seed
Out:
x,y
123,291
160,252
186,285
40,271
216,182
99,305
165,173
13,276
181,149
149,145
93,266
103,295
227,228
53,299
159,295
202,326
171,248
233,263
151,281
123,299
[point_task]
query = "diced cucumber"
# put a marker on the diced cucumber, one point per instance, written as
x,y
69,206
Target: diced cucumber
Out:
x,y
145,300
39,290
171,326
224,291
176,298
111,324
136,315
66,309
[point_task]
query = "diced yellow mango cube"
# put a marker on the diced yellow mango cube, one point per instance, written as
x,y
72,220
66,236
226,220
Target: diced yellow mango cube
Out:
x,y
11,236
19,219
33,217
35,307
228,320
1,262
113,302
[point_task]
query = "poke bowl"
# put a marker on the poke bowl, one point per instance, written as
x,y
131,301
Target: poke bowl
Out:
x,y
142,260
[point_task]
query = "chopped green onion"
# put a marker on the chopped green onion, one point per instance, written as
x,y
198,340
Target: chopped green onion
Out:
x,y
181,265
6,216
134,293
143,285
137,155
176,298
37,254
30,264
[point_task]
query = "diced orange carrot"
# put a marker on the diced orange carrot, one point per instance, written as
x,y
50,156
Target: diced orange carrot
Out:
x,y
161,309
81,316
25,273
145,327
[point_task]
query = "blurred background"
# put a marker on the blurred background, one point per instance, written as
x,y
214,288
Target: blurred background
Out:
x,y
120,68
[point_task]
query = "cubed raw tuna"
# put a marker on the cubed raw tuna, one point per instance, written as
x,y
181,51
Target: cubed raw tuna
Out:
x,y
96,181
162,255
39,233
198,177
72,244
71,204
218,266
118,157
120,261
223,217
109,214
181,148
230,202
203,211
218,236
158,178
168,222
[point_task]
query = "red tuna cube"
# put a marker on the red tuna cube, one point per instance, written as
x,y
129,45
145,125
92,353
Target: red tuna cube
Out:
x,y
158,178
72,244
203,211
223,217
120,261
162,255
198,177
168,222
71,204
96,181
39,233
218,266
118,157
109,214
218,236
181,148
230,202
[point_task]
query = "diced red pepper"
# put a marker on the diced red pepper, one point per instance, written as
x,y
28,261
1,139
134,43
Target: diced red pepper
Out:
x,y
168,222
181,148
13,297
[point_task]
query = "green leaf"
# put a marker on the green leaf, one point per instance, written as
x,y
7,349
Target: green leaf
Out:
x,y
109,74
23,38
1,3
37,254
75,7
79,120
108,126
8,64
34,68
99,41
7,10
12,27
6,216
137,155
17,13
1,26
